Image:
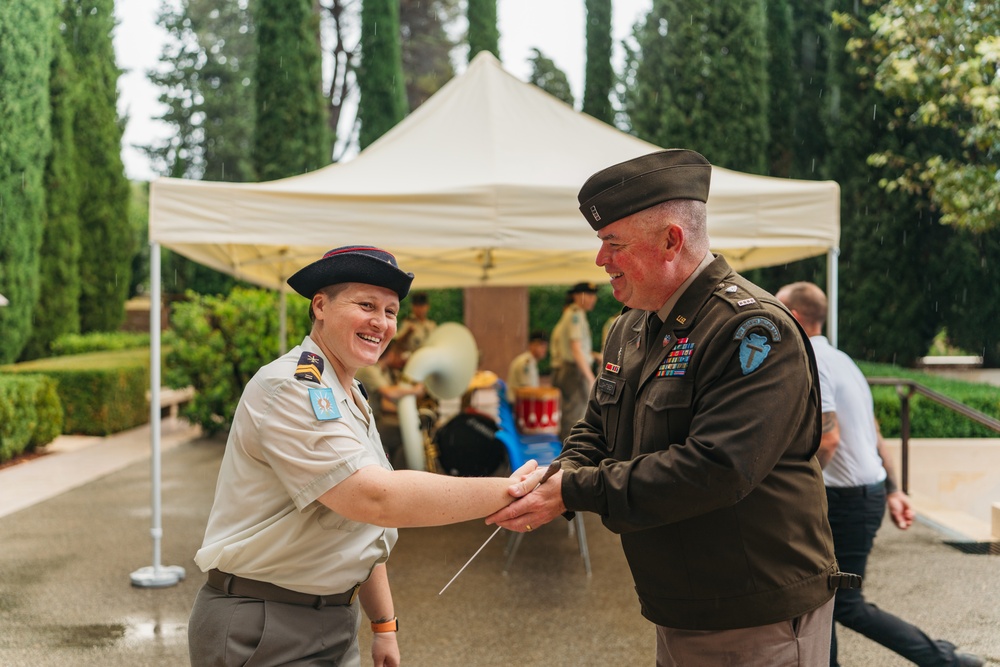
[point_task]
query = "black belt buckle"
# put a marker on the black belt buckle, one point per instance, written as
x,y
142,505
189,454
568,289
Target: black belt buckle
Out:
x,y
844,580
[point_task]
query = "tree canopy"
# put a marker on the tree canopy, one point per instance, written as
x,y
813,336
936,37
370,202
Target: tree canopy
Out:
x,y
941,58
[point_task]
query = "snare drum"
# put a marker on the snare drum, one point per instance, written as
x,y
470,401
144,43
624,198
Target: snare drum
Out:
x,y
537,409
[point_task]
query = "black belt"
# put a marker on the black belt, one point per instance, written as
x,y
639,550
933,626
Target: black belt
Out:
x,y
856,491
844,580
230,584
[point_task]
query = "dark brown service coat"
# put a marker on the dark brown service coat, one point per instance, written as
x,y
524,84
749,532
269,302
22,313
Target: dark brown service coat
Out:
x,y
704,462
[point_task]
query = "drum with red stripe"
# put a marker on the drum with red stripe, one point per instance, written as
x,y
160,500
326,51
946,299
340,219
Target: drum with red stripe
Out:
x,y
537,409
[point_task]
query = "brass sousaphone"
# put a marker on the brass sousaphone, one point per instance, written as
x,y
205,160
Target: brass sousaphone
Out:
x,y
445,363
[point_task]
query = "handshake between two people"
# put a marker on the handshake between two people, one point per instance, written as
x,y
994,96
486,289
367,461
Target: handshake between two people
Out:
x,y
537,498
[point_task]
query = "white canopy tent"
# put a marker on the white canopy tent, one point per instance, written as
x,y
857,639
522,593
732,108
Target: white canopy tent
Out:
x,y
476,187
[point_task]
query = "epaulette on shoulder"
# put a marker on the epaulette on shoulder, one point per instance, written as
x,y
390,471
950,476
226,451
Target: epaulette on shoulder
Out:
x,y
310,367
738,297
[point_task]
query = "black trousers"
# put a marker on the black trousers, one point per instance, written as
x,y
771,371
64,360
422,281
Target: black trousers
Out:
x,y
856,514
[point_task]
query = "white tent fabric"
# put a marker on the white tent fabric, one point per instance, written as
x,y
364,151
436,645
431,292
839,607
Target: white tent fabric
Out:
x,y
476,187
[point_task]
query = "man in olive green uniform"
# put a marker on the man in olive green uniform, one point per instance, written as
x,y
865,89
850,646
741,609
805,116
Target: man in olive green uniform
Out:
x,y
417,328
572,355
698,445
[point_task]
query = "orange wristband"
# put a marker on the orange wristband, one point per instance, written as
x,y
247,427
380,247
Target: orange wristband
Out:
x,y
388,626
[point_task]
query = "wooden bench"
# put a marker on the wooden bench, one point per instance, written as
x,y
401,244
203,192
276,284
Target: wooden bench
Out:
x,y
171,400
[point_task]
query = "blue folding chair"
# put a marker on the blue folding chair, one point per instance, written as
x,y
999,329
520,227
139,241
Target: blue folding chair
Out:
x,y
544,449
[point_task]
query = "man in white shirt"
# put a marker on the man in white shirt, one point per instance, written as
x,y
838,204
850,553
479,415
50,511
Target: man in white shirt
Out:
x,y
859,486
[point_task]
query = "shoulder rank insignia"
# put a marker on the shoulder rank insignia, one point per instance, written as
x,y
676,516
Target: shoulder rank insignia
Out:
x,y
754,347
323,403
310,367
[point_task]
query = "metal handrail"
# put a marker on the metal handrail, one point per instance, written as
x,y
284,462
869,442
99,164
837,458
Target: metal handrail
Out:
x,y
905,389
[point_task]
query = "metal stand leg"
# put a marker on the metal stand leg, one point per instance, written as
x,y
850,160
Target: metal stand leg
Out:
x,y
512,546
581,538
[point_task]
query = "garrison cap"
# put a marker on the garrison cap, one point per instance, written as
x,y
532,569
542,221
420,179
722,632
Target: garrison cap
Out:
x,y
628,187
352,264
582,288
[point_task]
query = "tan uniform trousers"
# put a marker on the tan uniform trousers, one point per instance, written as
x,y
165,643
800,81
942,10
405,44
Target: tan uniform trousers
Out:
x,y
574,394
799,642
229,630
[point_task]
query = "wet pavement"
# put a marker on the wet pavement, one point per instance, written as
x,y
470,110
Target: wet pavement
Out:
x,y
66,597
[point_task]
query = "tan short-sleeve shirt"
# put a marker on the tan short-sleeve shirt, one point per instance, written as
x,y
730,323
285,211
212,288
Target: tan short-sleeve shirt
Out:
x,y
283,453
573,325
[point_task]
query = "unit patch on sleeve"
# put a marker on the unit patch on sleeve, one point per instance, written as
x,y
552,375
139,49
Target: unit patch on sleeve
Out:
x,y
677,361
754,347
323,403
310,367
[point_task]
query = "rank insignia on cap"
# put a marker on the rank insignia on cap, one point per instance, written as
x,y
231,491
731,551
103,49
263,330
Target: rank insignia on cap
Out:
x,y
310,367
323,403
612,368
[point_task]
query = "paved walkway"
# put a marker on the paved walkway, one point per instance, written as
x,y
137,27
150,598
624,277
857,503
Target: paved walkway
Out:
x,y
68,548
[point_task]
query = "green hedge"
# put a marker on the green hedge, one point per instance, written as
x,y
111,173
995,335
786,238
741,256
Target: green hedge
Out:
x,y
217,343
101,393
99,341
929,419
30,414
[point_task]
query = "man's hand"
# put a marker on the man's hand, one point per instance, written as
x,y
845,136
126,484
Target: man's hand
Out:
x,y
900,509
535,508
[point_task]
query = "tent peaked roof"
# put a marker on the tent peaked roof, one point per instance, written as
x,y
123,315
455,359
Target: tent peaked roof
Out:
x,y
476,187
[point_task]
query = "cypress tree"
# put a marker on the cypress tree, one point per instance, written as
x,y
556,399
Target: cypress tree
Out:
x,y
812,24
781,104
700,81
380,76
484,35
25,55
292,136
105,235
59,274
549,78
600,77
426,47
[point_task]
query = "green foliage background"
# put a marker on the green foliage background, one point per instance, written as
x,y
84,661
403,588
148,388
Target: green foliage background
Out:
x,y
484,35
25,54
599,78
292,136
701,81
218,343
105,235
59,255
380,77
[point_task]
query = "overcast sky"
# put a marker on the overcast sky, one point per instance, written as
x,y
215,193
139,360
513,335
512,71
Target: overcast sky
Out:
x,y
556,27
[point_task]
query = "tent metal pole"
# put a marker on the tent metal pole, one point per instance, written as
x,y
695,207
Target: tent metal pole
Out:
x,y
832,286
155,575
282,321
